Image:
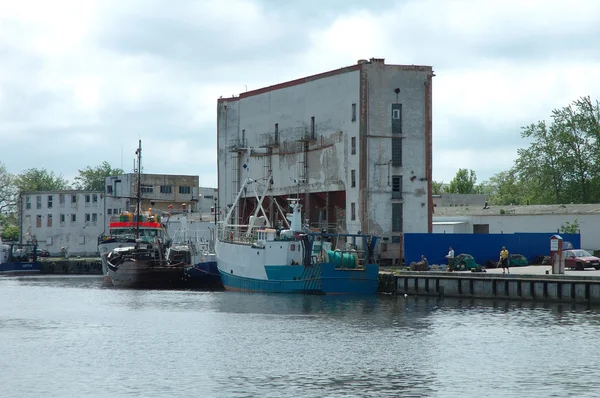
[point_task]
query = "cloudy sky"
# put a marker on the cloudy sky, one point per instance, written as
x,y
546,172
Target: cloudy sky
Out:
x,y
81,81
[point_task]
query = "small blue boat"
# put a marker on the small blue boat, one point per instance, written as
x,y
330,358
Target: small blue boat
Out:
x,y
18,259
204,274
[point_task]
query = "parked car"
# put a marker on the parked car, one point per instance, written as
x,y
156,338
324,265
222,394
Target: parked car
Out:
x,y
42,253
580,259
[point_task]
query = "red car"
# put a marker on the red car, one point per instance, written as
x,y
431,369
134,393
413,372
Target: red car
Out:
x,y
580,259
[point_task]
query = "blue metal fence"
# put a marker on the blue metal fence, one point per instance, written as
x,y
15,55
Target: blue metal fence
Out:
x,y
483,247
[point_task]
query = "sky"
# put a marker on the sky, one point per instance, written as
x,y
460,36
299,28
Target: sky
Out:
x,y
82,81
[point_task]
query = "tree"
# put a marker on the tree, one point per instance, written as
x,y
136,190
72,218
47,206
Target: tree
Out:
x,y
8,190
10,232
570,227
506,189
33,180
93,179
463,182
559,166
437,188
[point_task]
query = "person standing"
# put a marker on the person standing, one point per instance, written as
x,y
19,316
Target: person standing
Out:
x,y
450,257
504,259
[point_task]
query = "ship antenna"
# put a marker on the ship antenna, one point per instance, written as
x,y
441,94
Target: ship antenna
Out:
x,y
138,152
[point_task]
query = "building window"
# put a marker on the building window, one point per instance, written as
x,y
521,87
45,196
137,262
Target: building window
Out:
x,y
73,218
166,189
28,202
396,151
147,188
313,131
87,198
396,187
38,221
109,211
49,222
87,217
109,189
353,178
50,201
353,211
116,211
396,118
353,146
62,220
94,198
277,133
94,217
396,217
353,112
185,189
61,200
38,202
73,198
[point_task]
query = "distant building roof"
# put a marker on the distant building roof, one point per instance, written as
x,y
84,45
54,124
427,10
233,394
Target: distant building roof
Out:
x,y
593,208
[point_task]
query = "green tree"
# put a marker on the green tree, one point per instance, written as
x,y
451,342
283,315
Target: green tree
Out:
x,y
10,232
560,166
463,182
506,189
8,190
33,180
93,179
570,227
437,188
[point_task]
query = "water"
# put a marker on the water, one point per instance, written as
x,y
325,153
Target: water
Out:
x,y
68,336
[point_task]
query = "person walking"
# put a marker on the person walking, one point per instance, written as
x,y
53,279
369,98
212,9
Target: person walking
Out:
x,y
504,260
450,257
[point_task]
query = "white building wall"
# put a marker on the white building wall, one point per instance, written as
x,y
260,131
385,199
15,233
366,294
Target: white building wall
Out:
x,y
83,221
589,224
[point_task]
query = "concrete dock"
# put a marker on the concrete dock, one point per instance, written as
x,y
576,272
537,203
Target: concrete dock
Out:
x,y
523,283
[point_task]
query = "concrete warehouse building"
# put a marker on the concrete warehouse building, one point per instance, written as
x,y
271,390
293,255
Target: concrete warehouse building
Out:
x,y
353,143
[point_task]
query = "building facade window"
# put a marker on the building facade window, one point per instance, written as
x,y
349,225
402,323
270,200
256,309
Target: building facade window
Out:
x,y
396,187
109,212
94,198
184,189
166,189
109,189
62,220
49,221
277,133
94,217
396,217
353,178
61,200
87,217
313,129
353,146
50,197
28,202
73,218
38,202
38,221
396,151
353,112
73,199
147,188
353,211
87,198
396,118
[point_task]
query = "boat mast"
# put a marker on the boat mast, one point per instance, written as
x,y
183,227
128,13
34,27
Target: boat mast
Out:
x,y
138,152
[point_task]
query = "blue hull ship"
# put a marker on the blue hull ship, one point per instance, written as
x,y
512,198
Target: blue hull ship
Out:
x,y
256,257
18,259
204,274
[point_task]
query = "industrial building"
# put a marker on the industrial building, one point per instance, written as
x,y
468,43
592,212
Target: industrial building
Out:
x,y
353,143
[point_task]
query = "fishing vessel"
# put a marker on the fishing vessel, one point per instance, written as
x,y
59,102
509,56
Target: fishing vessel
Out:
x,y
18,259
202,272
257,257
148,259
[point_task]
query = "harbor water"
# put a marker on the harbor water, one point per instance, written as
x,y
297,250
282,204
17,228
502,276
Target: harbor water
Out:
x,y
67,336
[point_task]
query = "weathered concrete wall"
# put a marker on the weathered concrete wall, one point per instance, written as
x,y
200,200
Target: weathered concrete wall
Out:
x,y
352,109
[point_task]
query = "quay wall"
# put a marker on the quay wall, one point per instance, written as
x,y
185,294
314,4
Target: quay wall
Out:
x,y
553,288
